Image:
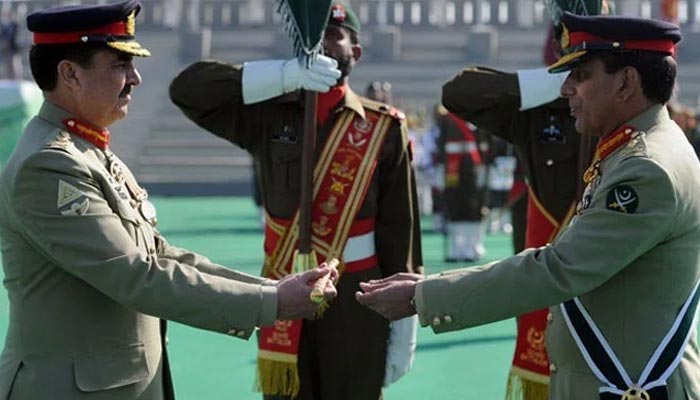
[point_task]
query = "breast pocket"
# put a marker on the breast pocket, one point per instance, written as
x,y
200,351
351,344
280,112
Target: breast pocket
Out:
x,y
281,176
109,369
556,168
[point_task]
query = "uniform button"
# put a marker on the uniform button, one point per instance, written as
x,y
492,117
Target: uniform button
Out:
x,y
436,321
550,317
447,319
167,340
241,334
552,368
550,162
232,332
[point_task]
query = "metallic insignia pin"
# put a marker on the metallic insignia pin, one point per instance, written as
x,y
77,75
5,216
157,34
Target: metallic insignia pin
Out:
x,y
148,211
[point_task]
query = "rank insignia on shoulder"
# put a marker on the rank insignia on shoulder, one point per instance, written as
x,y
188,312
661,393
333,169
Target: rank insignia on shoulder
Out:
x,y
622,198
70,200
66,193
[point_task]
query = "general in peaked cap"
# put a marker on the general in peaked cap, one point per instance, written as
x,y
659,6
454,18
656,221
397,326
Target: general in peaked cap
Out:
x,y
588,34
112,24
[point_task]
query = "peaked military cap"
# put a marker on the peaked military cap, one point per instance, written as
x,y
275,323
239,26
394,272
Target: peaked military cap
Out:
x,y
342,15
112,24
585,34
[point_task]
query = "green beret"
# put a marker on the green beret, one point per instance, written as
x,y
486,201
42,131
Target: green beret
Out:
x,y
342,15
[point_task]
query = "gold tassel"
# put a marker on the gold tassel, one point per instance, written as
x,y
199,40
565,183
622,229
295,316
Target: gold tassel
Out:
x,y
277,378
520,388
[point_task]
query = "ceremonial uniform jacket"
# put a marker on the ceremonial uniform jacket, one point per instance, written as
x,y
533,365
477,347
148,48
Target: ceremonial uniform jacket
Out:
x,y
465,193
209,93
544,137
632,271
88,277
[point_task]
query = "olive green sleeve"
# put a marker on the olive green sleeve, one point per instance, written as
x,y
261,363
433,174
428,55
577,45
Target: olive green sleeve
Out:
x,y
91,243
209,93
488,98
598,244
204,265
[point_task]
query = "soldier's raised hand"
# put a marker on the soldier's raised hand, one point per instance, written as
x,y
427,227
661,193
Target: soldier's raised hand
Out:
x,y
266,79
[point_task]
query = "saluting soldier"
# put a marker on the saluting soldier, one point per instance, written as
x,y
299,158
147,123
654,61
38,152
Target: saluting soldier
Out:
x,y
90,280
364,208
622,279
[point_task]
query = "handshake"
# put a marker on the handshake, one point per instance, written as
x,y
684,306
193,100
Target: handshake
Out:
x,y
300,295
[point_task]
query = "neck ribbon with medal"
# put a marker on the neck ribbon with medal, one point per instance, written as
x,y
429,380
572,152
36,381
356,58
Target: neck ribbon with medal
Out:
x,y
100,138
592,175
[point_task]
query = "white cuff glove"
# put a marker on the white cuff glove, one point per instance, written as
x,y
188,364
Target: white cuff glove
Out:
x,y
266,79
538,87
401,350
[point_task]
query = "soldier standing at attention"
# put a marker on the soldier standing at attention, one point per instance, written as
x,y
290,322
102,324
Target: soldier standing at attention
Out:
x,y
364,208
90,280
622,279
462,150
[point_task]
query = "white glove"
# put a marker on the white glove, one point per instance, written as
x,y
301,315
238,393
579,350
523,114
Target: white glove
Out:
x,y
538,87
266,79
402,349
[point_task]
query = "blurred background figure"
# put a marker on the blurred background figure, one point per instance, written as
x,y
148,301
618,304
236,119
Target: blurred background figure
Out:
x,y
500,183
687,119
379,91
9,48
463,149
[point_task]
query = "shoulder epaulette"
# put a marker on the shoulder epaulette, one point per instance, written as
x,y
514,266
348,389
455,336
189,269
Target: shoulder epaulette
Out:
x,y
61,140
382,108
636,146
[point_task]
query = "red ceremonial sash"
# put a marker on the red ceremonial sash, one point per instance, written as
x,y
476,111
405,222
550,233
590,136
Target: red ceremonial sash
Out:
x,y
341,179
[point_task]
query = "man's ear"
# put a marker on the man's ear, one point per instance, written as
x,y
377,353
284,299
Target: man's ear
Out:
x,y
69,73
629,83
357,51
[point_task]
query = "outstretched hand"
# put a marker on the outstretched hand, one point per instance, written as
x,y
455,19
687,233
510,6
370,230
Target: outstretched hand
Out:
x,y
391,297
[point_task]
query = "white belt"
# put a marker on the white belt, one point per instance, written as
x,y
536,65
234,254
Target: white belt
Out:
x,y
460,147
359,247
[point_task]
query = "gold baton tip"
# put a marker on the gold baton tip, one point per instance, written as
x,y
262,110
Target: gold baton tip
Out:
x,y
317,292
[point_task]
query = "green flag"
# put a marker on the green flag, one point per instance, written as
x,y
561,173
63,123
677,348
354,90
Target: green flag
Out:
x,y
579,7
305,21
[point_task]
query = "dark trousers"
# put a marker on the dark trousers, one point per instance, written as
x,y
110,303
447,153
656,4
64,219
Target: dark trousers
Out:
x,y
342,356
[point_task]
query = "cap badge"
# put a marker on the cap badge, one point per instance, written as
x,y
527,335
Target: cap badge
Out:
x,y
338,13
131,23
565,39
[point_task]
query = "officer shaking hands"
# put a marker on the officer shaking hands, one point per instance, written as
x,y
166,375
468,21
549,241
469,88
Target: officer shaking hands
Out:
x,y
622,279
90,279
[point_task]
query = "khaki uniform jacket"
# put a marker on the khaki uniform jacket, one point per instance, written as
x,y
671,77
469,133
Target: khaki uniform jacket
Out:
x,y
209,93
544,137
89,279
632,271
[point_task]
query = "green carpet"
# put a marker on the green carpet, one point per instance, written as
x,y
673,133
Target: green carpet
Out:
x,y
470,364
